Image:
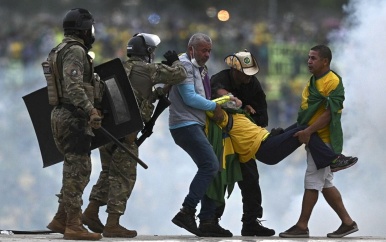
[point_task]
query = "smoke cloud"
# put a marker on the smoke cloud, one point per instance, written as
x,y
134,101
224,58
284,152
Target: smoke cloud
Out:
x,y
357,54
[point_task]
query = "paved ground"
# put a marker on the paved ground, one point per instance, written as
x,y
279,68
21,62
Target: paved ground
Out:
x,y
59,238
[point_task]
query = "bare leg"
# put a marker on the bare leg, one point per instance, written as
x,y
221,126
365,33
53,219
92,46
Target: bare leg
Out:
x,y
310,198
334,199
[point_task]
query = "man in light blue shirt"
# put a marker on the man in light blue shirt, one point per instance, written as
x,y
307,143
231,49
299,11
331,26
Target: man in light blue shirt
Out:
x,y
189,101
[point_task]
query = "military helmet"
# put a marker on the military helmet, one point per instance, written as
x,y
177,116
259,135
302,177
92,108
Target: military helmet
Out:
x,y
142,44
78,19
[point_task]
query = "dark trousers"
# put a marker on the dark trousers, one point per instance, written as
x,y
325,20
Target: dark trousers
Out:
x,y
192,139
250,192
275,148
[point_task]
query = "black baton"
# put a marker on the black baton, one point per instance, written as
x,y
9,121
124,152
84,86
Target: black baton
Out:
x,y
118,143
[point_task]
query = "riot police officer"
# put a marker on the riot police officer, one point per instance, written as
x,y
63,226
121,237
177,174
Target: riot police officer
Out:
x,y
77,93
119,170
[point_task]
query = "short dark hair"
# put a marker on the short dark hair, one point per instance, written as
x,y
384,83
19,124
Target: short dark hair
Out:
x,y
215,88
324,51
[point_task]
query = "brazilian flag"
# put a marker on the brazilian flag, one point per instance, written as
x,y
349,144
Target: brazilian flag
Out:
x,y
334,101
229,172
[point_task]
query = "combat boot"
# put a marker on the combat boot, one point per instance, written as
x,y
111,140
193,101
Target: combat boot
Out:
x,y
114,230
256,228
211,228
58,223
76,231
186,218
90,217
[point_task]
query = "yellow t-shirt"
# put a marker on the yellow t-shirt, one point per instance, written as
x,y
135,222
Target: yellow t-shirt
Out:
x,y
245,135
325,85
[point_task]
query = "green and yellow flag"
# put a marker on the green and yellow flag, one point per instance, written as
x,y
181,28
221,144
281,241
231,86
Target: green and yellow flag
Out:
x,y
229,172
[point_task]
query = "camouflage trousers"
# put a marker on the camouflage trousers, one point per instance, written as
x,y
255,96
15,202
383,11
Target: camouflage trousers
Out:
x,y
73,139
117,178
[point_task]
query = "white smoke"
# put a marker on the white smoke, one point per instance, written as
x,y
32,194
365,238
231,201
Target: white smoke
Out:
x,y
359,57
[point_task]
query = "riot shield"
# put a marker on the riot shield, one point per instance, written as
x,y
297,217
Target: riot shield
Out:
x,y
121,112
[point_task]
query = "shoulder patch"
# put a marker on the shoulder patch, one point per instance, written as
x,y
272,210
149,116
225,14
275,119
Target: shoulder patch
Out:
x,y
75,69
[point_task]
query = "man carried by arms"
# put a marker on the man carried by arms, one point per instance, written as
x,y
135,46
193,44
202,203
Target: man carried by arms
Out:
x,y
250,141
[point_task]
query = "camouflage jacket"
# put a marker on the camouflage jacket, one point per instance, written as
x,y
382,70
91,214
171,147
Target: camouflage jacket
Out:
x,y
77,69
144,76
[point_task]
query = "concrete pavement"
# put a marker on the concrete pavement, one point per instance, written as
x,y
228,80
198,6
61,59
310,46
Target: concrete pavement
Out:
x,y
190,238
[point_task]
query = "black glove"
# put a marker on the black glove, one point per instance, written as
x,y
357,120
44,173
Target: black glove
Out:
x,y
171,57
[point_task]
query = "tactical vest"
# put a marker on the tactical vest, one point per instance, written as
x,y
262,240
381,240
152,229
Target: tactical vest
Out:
x,y
55,86
141,87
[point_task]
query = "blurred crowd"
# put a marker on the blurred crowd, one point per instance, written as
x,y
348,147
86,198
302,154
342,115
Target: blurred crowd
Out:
x,y
27,38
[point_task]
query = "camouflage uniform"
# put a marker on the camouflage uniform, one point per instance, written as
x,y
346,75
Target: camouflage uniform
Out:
x,y
69,121
118,175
